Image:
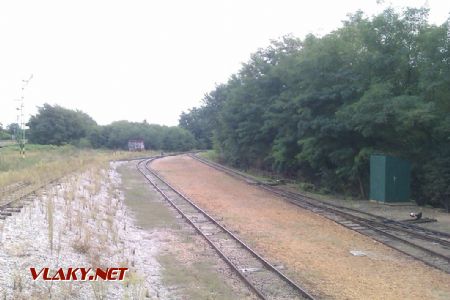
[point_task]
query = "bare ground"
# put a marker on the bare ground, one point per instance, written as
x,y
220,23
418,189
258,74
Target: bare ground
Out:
x,y
395,211
102,219
80,222
314,250
187,267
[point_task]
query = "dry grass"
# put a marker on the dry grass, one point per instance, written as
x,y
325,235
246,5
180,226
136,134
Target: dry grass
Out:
x,y
83,245
43,164
314,250
135,285
50,222
99,289
17,282
86,197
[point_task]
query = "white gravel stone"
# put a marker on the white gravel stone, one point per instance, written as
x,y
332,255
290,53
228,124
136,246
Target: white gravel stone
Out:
x,y
106,226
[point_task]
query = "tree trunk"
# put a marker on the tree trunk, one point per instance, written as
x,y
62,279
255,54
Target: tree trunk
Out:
x,y
361,188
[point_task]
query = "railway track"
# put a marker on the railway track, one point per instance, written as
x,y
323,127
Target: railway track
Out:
x,y
13,201
264,279
13,197
430,247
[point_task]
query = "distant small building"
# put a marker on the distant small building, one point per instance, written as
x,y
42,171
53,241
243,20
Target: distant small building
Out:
x,y
136,145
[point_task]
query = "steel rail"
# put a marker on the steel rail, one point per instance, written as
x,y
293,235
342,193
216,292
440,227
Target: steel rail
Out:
x,y
425,233
369,224
33,191
405,227
221,254
302,291
38,187
410,228
417,235
298,200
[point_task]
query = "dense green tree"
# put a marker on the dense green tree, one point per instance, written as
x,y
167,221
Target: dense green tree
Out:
x,y
156,137
317,108
13,128
177,139
202,122
4,133
196,122
56,125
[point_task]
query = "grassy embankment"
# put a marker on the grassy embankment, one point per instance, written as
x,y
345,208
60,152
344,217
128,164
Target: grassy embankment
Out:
x,y
44,163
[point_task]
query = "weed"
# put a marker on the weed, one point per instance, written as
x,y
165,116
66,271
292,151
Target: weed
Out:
x,y
50,222
135,285
17,282
46,163
59,246
82,245
99,289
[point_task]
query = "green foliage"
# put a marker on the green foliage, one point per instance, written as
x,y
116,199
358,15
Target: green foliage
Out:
x,y
56,125
4,135
13,128
434,176
10,160
196,122
201,122
317,108
117,134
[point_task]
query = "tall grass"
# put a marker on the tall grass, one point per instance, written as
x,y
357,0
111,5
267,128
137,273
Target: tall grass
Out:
x,y
87,197
50,222
44,163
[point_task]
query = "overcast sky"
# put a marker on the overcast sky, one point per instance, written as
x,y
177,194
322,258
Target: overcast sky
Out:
x,y
135,60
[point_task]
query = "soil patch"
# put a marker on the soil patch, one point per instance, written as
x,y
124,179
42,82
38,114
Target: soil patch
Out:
x,y
87,221
315,251
188,268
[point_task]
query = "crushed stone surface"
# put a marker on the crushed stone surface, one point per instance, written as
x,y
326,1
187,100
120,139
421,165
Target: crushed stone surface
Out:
x,y
78,223
84,222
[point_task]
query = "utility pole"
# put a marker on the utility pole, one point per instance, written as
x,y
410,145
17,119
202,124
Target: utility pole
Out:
x,y
21,139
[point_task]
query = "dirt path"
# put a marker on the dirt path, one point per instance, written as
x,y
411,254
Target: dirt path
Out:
x,y
314,250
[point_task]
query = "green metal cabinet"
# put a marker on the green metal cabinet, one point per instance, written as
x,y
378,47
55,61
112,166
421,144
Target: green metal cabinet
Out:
x,y
389,179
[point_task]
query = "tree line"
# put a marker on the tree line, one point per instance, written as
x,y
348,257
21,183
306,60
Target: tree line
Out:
x,y
57,125
316,108
9,132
